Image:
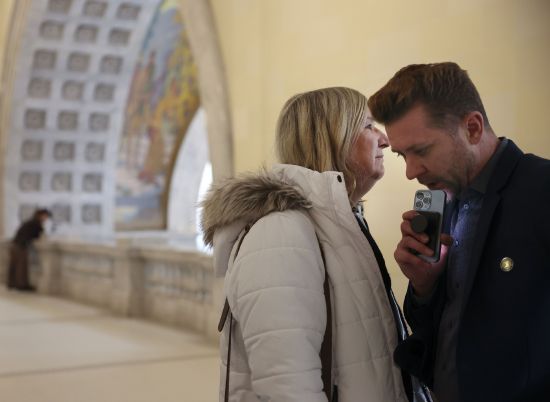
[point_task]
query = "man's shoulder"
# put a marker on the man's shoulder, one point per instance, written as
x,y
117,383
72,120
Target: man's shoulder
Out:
x,y
527,167
534,169
528,185
535,161
527,160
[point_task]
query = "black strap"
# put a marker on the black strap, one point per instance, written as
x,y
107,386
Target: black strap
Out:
x,y
227,310
326,346
223,317
377,253
226,398
422,392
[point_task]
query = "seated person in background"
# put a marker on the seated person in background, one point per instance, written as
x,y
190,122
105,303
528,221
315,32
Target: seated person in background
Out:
x,y
30,230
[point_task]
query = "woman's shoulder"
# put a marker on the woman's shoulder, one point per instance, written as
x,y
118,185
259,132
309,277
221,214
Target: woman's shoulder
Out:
x,y
281,251
290,228
281,242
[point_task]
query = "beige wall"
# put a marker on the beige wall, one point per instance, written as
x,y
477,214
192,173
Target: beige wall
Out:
x,y
5,16
275,48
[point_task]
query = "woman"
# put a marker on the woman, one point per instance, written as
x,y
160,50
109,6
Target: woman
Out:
x,y
276,234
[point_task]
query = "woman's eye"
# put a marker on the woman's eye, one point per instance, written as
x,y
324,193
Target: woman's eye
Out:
x,y
369,126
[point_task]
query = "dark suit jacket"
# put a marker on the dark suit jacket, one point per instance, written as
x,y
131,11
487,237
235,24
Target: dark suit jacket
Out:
x,y
503,346
28,232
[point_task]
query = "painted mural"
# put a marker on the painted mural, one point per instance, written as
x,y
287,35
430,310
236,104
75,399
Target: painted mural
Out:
x,y
162,101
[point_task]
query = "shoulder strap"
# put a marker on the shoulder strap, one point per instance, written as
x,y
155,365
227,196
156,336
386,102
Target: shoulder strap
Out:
x,y
227,310
326,346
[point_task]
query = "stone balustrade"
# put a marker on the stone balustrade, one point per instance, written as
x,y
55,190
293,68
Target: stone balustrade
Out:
x,y
162,284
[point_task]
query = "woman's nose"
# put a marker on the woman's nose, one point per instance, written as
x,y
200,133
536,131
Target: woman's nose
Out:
x,y
383,141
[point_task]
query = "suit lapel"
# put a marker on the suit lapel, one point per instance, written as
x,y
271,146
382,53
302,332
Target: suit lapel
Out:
x,y
490,203
502,173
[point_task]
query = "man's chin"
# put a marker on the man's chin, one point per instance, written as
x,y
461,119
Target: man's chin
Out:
x,y
434,186
439,186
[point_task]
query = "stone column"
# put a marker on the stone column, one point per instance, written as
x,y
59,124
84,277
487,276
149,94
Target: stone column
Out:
x,y
125,297
49,281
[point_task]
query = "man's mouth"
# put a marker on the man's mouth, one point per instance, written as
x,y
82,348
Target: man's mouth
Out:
x,y
433,185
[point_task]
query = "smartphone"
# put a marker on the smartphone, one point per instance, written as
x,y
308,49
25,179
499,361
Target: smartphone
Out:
x,y
430,205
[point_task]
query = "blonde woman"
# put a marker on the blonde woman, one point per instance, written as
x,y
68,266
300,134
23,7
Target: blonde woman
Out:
x,y
293,241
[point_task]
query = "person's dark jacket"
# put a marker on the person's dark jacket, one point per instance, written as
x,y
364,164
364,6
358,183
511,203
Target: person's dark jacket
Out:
x,y
503,346
28,232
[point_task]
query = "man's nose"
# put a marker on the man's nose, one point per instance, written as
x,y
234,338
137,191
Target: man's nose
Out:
x,y
414,169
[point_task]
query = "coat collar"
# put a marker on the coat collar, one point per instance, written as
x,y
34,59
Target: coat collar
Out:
x,y
505,167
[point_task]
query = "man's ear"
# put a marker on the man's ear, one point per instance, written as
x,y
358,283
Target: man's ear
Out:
x,y
474,126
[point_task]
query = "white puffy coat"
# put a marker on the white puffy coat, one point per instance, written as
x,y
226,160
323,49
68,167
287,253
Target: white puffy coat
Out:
x,y
275,290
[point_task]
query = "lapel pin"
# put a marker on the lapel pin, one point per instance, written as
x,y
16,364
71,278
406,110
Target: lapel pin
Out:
x,y
506,264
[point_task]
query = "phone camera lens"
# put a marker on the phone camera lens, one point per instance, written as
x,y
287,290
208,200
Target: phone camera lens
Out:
x,y
419,204
419,195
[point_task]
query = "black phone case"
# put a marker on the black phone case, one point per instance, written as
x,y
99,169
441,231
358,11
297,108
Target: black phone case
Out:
x,y
432,226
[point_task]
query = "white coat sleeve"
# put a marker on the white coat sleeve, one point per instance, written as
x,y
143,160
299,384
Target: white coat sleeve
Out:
x,y
279,305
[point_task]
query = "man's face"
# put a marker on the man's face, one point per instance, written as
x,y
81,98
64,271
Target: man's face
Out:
x,y
436,157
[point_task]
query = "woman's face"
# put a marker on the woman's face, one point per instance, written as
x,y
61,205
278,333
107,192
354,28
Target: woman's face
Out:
x,y
366,159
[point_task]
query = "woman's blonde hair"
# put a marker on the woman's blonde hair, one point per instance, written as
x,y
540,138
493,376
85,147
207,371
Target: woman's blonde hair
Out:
x,y
316,130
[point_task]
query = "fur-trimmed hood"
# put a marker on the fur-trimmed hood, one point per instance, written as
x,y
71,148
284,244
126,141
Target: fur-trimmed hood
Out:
x,y
247,198
235,202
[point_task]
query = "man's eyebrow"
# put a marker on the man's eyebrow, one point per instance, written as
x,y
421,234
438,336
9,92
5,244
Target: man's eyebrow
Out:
x,y
412,148
396,151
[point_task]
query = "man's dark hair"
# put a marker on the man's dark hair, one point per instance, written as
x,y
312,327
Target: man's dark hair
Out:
x,y
444,89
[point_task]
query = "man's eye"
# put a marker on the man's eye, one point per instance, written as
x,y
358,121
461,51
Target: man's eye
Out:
x,y
369,126
422,151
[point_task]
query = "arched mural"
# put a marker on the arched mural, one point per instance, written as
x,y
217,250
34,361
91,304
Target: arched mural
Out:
x,y
162,102
98,97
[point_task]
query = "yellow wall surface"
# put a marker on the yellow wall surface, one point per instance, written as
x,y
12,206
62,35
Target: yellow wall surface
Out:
x,y
273,49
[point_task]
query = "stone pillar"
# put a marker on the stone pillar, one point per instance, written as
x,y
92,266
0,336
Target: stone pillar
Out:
x,y
4,260
49,281
137,282
126,286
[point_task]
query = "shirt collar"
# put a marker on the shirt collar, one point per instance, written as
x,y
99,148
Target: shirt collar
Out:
x,y
480,183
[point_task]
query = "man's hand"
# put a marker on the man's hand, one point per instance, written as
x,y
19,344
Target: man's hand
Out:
x,y
422,274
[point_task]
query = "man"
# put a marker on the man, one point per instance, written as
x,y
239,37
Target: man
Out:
x,y
481,315
18,275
